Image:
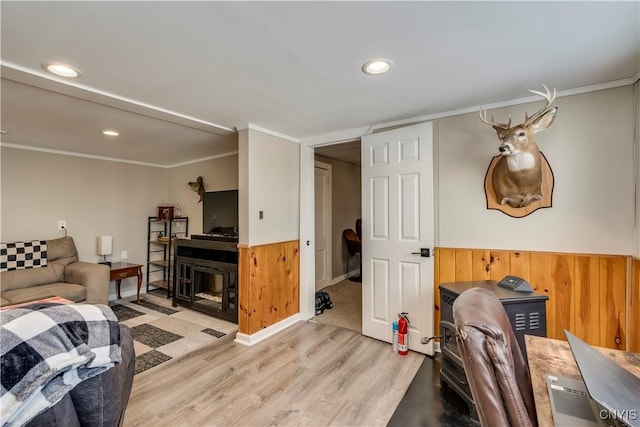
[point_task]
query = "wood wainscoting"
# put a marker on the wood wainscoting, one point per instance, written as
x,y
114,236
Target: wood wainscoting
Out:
x,y
594,296
269,280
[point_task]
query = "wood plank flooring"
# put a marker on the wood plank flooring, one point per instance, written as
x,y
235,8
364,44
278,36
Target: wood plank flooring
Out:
x,y
309,374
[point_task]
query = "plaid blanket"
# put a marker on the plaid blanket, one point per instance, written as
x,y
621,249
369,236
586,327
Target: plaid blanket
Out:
x,y
47,349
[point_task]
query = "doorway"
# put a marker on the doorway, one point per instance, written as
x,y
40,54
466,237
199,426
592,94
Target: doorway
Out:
x,y
343,163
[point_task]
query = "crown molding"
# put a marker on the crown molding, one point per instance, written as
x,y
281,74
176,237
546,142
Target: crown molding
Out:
x,y
110,159
356,133
251,126
53,83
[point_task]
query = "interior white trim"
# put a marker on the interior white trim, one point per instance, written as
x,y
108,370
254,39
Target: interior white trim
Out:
x,y
328,218
270,132
356,133
342,277
111,159
51,82
265,333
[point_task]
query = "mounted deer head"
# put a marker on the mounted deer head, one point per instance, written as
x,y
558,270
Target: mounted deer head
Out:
x,y
517,176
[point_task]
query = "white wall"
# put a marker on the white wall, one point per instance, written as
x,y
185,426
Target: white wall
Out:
x,y
95,197
590,148
243,186
99,197
346,202
218,174
273,167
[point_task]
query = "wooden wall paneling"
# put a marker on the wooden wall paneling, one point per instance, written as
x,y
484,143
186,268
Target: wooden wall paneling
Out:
x,y
633,335
290,298
613,276
464,265
244,314
519,264
586,307
269,277
591,295
499,261
562,282
481,266
257,290
446,266
539,278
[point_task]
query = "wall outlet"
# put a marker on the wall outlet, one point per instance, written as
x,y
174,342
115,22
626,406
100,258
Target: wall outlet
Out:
x,y
62,224
123,255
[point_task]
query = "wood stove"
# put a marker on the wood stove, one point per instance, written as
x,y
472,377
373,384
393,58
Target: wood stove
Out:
x,y
206,277
527,315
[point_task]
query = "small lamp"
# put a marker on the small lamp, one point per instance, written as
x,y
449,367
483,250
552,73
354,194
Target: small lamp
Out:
x,y
105,247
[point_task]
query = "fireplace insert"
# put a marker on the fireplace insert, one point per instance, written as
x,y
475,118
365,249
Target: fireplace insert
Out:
x,y
206,277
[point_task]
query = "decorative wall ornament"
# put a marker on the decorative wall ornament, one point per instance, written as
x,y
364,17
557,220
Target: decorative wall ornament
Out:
x,y
198,187
519,180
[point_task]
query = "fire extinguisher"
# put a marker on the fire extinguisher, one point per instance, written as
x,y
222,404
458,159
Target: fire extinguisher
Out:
x,y
403,334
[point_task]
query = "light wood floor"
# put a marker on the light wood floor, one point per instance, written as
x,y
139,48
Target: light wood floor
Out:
x,y
310,374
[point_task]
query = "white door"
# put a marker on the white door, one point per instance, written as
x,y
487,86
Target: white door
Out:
x,y
323,223
397,221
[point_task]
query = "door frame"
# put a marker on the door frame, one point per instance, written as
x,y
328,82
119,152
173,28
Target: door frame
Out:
x,y
328,220
307,305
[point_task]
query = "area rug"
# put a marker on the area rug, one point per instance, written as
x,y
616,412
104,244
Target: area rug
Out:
x,y
161,332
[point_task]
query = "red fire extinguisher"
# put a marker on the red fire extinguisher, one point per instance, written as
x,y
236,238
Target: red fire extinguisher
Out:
x,y
403,334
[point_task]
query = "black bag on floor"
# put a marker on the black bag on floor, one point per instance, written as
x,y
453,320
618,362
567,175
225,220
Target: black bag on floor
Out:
x,y
323,302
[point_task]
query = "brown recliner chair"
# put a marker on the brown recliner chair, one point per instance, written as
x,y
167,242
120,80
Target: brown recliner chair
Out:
x,y
493,363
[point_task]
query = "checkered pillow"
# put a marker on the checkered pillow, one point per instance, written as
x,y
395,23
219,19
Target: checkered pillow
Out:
x,y
23,255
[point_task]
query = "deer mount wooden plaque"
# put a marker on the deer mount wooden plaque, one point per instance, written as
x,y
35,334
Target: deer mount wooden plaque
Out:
x,y
519,180
547,191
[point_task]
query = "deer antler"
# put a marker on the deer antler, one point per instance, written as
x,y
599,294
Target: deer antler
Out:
x,y
483,117
549,97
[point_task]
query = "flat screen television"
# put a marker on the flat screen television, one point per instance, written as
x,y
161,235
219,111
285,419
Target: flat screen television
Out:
x,y
220,212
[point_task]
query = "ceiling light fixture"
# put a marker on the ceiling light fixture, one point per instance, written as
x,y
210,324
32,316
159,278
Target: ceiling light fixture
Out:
x,y
110,133
61,69
377,66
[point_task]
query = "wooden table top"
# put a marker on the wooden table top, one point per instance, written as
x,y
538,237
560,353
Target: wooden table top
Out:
x,y
549,356
121,265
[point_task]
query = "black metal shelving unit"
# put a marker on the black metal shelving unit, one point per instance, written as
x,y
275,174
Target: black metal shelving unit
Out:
x,y
161,236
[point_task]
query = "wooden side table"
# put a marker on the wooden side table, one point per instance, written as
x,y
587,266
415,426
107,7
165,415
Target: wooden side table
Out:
x,y
122,270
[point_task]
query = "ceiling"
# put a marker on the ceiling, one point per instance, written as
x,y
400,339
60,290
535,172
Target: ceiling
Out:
x,y
177,79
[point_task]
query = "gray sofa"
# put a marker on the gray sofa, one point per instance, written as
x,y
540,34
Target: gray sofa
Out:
x,y
100,401
63,276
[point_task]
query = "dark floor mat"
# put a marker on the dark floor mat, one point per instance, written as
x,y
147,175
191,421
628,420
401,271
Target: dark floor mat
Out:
x,y
213,332
156,307
123,312
149,360
152,336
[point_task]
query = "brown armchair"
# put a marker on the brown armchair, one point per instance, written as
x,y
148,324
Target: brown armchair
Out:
x,y
497,373
354,248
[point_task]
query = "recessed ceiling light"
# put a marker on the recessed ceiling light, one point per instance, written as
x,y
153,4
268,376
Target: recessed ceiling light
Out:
x,y
110,133
61,69
377,66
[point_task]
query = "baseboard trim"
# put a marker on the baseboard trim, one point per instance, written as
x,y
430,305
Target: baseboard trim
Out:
x,y
342,277
126,293
267,332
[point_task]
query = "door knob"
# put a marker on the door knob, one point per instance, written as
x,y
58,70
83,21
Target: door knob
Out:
x,y
424,252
